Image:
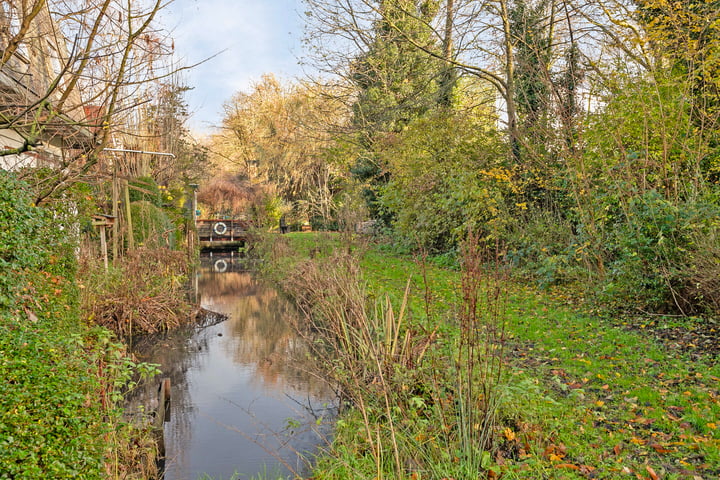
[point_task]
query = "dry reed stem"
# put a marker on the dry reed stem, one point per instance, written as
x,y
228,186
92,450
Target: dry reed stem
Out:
x,y
374,355
480,356
144,293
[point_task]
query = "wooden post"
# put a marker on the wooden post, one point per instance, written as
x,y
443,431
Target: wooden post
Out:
x,y
128,214
192,232
103,246
162,414
115,200
163,409
103,222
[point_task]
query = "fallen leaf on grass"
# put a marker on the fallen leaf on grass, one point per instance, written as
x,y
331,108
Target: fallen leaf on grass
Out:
x,y
555,453
652,473
586,469
660,449
31,316
643,420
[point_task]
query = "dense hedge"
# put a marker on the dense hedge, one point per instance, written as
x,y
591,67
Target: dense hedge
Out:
x,y
51,419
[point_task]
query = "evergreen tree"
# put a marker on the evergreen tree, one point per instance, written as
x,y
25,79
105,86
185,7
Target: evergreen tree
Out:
x,y
396,82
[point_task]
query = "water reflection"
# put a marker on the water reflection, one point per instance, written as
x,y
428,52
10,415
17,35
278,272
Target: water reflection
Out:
x,y
241,401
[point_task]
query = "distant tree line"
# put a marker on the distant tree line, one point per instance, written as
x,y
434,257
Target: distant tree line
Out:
x,y
581,136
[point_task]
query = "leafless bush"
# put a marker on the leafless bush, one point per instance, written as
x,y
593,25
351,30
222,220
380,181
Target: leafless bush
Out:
x,y
480,352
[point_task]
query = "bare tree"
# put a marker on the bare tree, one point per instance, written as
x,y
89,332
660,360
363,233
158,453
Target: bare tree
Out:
x,y
110,51
476,38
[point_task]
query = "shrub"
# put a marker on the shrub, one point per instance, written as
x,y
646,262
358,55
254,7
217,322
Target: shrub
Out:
x,y
53,417
151,226
145,189
652,247
446,177
22,242
543,244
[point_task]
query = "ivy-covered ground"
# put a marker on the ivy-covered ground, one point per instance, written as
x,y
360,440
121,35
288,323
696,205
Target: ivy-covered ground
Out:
x,y
57,375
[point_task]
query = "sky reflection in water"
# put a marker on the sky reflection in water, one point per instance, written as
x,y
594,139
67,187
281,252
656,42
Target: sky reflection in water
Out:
x,y
236,384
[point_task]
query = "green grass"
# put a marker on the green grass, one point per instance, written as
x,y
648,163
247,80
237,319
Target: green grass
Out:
x,y
600,386
584,396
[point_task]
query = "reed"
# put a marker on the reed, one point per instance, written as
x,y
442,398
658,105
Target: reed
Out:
x,y
415,394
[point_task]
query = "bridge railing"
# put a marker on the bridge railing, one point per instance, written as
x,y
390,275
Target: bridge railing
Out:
x,y
212,230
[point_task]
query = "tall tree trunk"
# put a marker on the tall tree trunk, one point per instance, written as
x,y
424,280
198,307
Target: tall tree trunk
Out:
x,y
511,107
448,78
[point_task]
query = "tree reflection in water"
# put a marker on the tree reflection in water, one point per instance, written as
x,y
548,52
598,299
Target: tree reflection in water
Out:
x,y
236,384
259,319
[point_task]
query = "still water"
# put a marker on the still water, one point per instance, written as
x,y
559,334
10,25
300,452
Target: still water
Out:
x,y
242,403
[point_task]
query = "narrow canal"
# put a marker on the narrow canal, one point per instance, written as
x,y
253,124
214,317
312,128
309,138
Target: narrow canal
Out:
x,y
243,405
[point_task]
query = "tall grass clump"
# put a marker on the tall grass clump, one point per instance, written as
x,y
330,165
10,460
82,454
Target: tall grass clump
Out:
x,y
420,393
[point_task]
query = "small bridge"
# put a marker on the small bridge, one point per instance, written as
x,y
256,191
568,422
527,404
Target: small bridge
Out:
x,y
222,234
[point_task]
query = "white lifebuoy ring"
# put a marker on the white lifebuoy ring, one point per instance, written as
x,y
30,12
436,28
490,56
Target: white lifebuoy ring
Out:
x,y
220,228
220,266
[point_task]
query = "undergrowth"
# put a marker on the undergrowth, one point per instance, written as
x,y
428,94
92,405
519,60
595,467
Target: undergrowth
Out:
x,y
580,396
144,292
422,395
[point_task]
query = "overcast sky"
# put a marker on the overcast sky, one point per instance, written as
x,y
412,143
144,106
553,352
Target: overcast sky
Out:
x,y
254,36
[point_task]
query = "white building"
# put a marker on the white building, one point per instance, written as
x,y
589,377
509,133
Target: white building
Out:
x,y
33,130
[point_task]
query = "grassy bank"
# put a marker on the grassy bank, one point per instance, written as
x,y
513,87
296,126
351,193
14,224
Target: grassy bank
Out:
x,y
579,396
